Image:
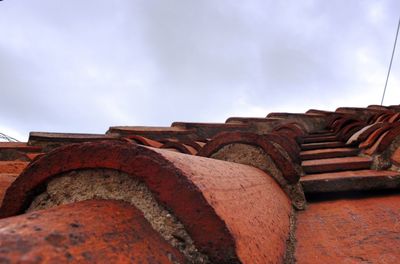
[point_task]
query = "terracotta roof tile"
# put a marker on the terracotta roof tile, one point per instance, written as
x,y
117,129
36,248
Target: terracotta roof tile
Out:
x,y
261,141
21,146
370,150
395,158
363,113
251,120
180,147
185,207
310,122
84,232
349,231
336,164
348,130
328,153
155,133
208,130
378,107
319,112
49,141
374,135
388,138
16,151
5,181
261,151
322,145
394,118
291,129
351,181
318,139
197,145
12,166
206,190
145,141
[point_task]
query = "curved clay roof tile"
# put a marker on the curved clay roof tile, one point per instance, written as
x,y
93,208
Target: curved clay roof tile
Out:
x,y
224,139
93,231
204,194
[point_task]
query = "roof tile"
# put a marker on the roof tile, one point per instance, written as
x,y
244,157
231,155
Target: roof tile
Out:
x,y
206,188
92,231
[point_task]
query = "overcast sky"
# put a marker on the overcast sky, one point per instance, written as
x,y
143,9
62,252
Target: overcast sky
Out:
x,y
82,66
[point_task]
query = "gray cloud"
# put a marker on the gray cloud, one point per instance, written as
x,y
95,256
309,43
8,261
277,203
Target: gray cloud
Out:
x,y
83,66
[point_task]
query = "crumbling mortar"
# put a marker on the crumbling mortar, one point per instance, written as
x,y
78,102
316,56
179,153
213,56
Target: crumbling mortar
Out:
x,y
290,257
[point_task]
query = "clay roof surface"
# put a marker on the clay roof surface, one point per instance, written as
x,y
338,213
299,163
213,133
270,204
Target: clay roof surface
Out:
x,y
314,187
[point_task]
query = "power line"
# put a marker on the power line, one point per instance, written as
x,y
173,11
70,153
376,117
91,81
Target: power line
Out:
x,y
391,60
7,138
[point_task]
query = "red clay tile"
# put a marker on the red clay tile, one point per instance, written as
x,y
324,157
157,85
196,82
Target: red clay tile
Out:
x,y
322,145
319,112
351,181
182,148
349,231
49,141
12,166
388,138
394,118
197,145
33,156
342,123
337,121
250,119
362,113
286,115
211,192
378,107
70,137
288,144
347,131
22,146
224,139
5,181
395,158
209,130
294,130
395,108
336,164
373,149
334,119
155,133
374,135
94,231
16,151
316,134
367,132
384,141
383,117
309,122
372,118
318,139
328,153
362,133
145,141
257,125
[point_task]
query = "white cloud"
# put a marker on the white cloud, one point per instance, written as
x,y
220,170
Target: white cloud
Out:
x,y
73,66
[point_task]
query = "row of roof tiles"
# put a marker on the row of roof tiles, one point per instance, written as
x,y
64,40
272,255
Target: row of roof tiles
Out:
x,y
179,165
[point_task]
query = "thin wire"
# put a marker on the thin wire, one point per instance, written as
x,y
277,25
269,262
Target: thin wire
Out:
x,y
7,138
391,60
